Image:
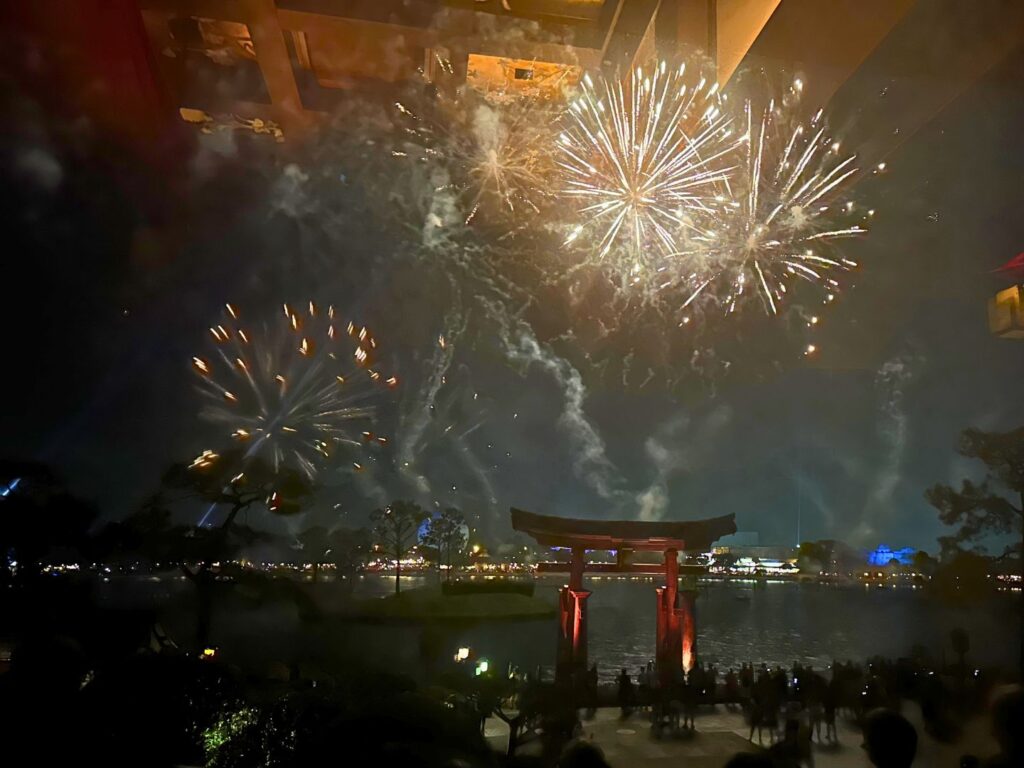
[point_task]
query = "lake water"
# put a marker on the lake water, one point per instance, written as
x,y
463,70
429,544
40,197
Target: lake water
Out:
x,y
783,622
777,623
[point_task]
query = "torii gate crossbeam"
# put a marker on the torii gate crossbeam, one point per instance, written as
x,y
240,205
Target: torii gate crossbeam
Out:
x,y
676,609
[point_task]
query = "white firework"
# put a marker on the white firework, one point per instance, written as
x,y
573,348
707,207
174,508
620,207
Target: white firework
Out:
x,y
785,217
639,160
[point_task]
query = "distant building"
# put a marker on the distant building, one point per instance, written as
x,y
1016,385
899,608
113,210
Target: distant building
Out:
x,y
767,566
291,62
778,553
883,555
1006,308
741,539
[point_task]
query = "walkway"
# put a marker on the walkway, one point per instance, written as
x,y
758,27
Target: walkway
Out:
x,y
722,733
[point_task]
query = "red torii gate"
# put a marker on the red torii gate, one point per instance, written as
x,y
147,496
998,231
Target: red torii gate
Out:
x,y
676,618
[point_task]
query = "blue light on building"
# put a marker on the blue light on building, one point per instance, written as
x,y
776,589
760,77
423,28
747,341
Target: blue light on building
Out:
x,y
884,555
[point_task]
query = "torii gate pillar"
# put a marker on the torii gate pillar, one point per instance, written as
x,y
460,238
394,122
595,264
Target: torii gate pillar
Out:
x,y
677,619
676,645
572,621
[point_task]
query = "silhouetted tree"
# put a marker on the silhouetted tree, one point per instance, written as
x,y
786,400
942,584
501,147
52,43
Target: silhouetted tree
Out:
x,y
924,563
315,544
235,483
961,643
447,533
430,554
397,530
995,506
725,560
349,550
962,577
989,508
39,518
151,534
813,556
152,709
814,550
148,534
374,726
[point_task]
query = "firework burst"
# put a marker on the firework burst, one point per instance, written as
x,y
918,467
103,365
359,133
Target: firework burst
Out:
x,y
639,160
295,389
786,213
492,148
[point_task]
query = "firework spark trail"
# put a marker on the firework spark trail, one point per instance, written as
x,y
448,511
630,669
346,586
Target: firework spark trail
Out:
x,y
460,426
415,418
484,156
294,391
431,421
785,215
507,159
641,161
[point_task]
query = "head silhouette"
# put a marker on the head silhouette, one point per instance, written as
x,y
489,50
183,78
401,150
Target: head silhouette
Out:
x,y
890,739
1007,715
582,754
749,760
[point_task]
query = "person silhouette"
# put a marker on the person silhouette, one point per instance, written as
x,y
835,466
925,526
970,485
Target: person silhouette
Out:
x,y
690,697
1007,715
591,691
786,751
625,693
582,754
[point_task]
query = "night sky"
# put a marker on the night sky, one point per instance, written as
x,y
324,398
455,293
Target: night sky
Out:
x,y
115,266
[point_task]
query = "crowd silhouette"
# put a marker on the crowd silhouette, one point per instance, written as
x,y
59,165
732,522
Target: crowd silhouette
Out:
x,y
791,713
